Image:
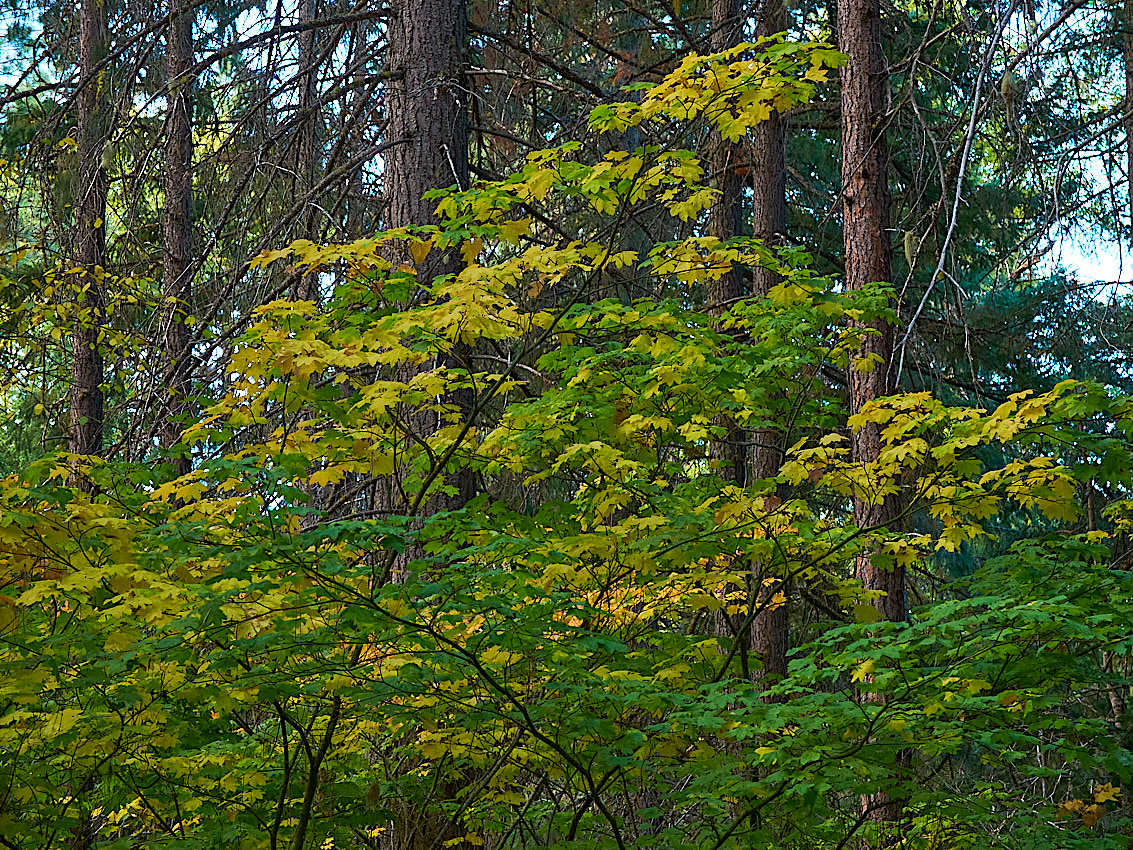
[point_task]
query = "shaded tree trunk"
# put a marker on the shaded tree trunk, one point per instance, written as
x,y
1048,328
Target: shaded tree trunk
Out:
x,y
306,149
428,115
865,213
428,128
1127,55
429,131
768,174
725,221
177,279
90,234
725,216
768,169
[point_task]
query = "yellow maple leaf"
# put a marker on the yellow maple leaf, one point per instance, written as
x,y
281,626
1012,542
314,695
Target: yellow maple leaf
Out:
x,y
863,670
265,257
1069,807
1092,814
471,250
1107,792
420,250
512,230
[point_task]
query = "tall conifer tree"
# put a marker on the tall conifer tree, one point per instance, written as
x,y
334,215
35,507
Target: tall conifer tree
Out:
x,y
427,133
865,224
94,155
177,270
768,174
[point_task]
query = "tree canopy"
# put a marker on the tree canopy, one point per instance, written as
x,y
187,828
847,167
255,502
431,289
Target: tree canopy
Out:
x,y
463,524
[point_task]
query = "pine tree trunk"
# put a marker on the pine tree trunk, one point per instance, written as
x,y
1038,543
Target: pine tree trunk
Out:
x,y
90,235
725,216
865,214
86,413
428,128
768,173
725,221
428,115
768,169
1127,55
177,280
428,125
306,149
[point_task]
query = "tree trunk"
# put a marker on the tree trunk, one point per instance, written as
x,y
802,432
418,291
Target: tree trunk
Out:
x,y
768,169
865,214
306,148
768,174
428,117
428,128
865,211
725,221
1127,55
177,279
428,125
725,216
90,234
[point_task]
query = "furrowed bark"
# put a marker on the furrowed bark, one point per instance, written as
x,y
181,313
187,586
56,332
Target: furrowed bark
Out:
x,y
725,221
768,174
177,267
428,125
766,169
865,210
1127,55
865,213
86,412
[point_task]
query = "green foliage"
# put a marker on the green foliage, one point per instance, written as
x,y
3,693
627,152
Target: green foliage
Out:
x,y
223,660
